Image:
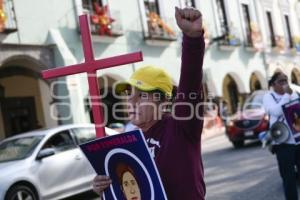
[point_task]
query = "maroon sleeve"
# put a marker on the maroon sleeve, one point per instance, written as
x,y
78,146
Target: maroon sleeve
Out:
x,y
189,93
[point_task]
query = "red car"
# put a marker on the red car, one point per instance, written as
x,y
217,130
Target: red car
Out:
x,y
249,122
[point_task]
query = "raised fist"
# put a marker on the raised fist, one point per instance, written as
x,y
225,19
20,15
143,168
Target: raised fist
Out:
x,y
189,21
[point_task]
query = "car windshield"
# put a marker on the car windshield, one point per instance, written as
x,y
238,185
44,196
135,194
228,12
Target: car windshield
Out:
x,y
18,148
255,101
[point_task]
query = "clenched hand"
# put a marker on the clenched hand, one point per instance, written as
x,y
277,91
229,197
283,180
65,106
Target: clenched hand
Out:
x,y
189,21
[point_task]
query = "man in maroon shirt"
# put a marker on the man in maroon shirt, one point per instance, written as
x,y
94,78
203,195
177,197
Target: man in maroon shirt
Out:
x,y
174,139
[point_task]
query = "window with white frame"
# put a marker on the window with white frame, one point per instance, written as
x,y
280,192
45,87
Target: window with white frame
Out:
x,y
247,22
222,17
189,3
284,6
226,29
288,31
298,11
104,20
155,24
250,27
8,22
270,28
88,4
299,16
152,6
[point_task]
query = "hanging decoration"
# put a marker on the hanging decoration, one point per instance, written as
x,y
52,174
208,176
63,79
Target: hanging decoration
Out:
x,y
231,37
156,24
256,37
280,44
2,17
102,19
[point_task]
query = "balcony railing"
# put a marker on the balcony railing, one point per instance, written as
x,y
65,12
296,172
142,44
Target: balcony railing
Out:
x,y
229,42
115,27
107,22
10,24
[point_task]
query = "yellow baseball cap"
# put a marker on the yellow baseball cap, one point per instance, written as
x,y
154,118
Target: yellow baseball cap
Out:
x,y
147,79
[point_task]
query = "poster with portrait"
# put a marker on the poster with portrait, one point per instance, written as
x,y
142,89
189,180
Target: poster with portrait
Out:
x,y
291,112
125,158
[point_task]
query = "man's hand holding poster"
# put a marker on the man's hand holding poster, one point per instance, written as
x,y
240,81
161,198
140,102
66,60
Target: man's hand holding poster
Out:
x,y
125,158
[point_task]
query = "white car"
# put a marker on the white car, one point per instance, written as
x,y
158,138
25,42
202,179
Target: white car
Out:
x,y
46,164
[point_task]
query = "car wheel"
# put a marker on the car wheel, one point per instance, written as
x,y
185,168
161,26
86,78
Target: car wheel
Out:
x,y
21,192
238,144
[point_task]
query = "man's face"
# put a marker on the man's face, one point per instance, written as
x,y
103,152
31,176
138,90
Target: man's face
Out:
x,y
130,187
143,106
279,83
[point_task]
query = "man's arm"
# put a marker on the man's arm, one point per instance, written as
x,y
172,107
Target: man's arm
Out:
x,y
190,84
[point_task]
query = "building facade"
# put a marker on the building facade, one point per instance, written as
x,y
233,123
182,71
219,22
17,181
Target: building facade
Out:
x,y
246,41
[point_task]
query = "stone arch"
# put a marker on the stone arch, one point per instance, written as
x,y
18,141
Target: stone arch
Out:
x,y
25,61
240,83
26,97
231,92
42,55
275,67
23,65
257,81
273,70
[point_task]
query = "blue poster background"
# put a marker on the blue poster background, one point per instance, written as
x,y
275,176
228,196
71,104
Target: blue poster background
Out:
x,y
131,149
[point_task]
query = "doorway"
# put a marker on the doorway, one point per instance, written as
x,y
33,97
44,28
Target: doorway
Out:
x,y
19,115
231,93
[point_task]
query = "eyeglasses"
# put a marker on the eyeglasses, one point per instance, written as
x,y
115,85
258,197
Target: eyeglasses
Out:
x,y
282,81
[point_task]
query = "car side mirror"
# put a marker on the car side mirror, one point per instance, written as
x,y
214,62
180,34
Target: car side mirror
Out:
x,y
45,153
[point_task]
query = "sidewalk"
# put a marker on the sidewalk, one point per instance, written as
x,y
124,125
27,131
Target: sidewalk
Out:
x,y
212,128
212,132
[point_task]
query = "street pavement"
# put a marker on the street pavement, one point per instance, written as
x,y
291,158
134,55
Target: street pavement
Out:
x,y
240,174
249,173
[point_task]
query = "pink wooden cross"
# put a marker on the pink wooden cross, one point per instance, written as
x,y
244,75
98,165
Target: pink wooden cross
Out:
x,y
91,66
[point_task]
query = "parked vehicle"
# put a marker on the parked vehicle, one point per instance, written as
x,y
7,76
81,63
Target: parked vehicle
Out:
x,y
247,123
46,164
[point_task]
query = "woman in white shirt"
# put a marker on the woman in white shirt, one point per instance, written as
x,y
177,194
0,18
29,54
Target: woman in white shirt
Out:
x,y
287,153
